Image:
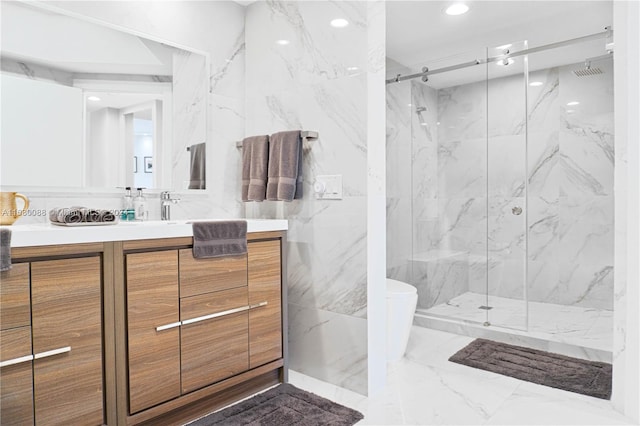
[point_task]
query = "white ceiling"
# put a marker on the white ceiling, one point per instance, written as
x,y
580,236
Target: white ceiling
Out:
x,y
420,34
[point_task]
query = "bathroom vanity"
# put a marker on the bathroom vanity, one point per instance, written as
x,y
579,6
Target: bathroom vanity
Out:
x,y
98,329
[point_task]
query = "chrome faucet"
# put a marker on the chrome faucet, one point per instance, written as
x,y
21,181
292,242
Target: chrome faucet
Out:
x,y
165,205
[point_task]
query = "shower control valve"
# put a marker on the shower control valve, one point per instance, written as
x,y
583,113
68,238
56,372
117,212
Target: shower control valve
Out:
x,y
516,210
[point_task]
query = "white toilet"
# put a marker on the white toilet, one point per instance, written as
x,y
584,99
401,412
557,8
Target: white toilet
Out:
x,y
401,305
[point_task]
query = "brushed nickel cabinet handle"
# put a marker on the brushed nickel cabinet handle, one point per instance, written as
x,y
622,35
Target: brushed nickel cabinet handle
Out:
x,y
168,326
216,315
210,316
16,360
52,352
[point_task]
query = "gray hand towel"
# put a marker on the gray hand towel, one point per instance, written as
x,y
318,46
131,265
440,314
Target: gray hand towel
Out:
x,y
255,156
5,249
198,174
66,215
106,216
219,238
89,215
285,166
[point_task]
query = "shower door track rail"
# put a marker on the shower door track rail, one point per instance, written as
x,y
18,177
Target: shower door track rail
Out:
x,y
427,72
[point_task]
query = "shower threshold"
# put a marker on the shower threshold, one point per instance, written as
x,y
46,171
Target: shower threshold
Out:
x,y
569,330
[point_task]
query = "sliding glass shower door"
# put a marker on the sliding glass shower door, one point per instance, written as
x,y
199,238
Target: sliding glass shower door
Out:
x,y
468,157
449,189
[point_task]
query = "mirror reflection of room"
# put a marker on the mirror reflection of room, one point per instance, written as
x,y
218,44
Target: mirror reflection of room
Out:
x,y
105,101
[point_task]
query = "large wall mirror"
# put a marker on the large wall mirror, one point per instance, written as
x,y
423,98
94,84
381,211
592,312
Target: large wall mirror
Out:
x,y
89,106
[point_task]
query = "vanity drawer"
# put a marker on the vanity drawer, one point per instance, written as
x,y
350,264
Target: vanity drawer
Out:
x,y
199,276
215,345
15,310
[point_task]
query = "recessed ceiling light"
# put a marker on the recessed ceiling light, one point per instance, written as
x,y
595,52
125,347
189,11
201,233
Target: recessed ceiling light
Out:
x,y
457,9
93,98
573,103
535,83
339,23
423,123
505,62
282,42
352,68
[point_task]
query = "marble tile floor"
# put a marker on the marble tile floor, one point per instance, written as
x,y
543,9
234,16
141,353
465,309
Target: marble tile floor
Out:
x,y
575,325
424,388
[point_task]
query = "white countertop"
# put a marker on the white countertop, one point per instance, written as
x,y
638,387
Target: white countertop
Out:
x,y
47,234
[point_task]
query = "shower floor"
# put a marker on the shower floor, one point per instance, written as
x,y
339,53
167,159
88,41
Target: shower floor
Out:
x,y
584,328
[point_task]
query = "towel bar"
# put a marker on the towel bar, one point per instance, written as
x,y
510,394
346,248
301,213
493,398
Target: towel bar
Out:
x,y
306,134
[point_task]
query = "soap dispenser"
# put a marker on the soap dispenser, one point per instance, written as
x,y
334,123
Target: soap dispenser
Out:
x,y
140,205
127,205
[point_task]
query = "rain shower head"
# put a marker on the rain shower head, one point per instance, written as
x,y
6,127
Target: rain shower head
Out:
x,y
587,70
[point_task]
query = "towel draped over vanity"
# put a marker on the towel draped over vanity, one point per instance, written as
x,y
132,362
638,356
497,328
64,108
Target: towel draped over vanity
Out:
x,y
219,238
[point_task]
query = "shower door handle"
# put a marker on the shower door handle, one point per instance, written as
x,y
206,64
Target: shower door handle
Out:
x,y
516,210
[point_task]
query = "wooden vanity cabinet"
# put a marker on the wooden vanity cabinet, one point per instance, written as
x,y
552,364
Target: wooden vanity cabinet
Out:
x,y
51,342
132,332
199,328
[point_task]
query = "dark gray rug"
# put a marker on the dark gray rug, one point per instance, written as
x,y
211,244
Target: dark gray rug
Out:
x,y
284,405
544,368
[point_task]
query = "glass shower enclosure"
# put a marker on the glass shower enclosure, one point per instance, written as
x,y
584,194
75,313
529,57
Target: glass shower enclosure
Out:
x,y
504,144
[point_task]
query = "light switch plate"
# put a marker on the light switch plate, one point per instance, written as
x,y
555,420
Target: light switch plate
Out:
x,y
328,187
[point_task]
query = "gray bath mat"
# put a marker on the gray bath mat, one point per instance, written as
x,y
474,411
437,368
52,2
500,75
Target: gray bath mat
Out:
x,y
544,368
284,405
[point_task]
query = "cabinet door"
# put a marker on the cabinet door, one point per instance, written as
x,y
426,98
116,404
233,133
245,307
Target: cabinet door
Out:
x,y
215,345
15,308
199,276
265,285
16,385
67,341
154,354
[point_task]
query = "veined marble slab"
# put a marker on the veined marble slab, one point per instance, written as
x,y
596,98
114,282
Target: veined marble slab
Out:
x,y
48,234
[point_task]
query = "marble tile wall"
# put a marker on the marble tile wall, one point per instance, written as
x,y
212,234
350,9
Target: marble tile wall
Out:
x,y
376,198
469,172
571,156
318,82
626,317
